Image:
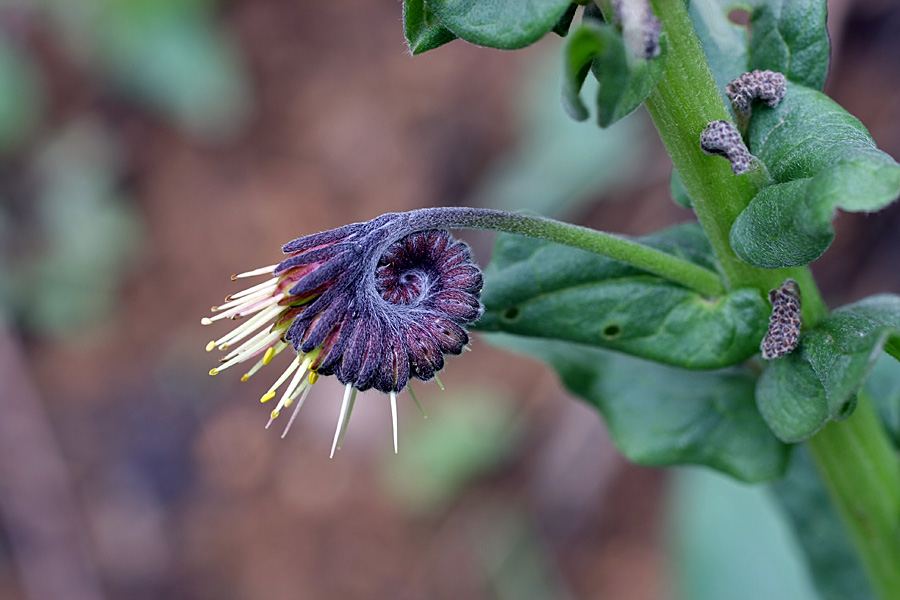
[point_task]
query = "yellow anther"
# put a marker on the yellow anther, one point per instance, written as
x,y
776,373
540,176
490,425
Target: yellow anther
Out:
x,y
275,414
267,397
245,376
269,355
223,347
288,402
213,371
313,377
210,346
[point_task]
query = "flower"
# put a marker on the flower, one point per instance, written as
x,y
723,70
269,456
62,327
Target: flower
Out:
x,y
373,304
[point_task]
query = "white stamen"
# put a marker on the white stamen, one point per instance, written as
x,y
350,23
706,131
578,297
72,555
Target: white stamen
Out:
x,y
289,391
255,344
296,410
265,285
287,373
262,361
347,422
261,271
394,417
248,327
341,418
242,301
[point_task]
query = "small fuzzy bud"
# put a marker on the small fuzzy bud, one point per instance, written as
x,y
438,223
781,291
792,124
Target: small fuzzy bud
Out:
x,y
722,139
640,27
766,86
784,324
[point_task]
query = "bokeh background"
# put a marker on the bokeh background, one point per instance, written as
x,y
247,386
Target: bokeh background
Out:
x,y
151,148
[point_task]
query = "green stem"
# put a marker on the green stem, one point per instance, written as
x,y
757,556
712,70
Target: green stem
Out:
x,y
682,104
655,261
619,248
855,458
860,469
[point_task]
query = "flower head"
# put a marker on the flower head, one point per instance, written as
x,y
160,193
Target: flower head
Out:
x,y
373,304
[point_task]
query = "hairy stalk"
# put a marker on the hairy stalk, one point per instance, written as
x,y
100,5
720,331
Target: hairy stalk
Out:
x,y
855,457
616,247
682,104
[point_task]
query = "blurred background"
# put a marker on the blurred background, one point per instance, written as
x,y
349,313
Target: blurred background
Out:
x,y
151,148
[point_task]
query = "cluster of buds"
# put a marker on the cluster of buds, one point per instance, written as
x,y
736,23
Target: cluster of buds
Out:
x,y
373,304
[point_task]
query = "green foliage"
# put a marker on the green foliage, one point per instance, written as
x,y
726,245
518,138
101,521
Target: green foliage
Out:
x,y
661,416
834,566
625,80
821,158
789,36
504,24
423,29
818,382
540,289
724,43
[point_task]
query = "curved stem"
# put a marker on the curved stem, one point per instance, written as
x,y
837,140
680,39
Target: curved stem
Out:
x,y
619,248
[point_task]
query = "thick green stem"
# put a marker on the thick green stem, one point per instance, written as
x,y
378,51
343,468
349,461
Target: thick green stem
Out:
x,y
682,104
861,471
855,458
613,246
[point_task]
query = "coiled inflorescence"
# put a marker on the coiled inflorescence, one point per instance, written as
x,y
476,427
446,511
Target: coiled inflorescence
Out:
x,y
373,304
784,324
767,86
720,138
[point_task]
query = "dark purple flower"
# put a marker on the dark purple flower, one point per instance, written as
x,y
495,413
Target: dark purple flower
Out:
x,y
373,304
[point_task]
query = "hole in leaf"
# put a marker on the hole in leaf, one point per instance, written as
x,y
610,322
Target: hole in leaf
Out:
x,y
739,16
612,331
511,314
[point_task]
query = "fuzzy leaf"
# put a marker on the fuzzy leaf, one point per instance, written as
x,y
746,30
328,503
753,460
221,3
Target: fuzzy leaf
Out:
x,y
660,416
789,36
504,24
541,289
423,29
819,381
724,43
821,159
625,80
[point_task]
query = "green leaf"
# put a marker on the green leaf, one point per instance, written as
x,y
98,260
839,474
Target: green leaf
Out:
x,y
625,80
789,36
716,524
504,24
883,387
830,557
819,381
821,159
724,43
662,416
423,29
541,289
